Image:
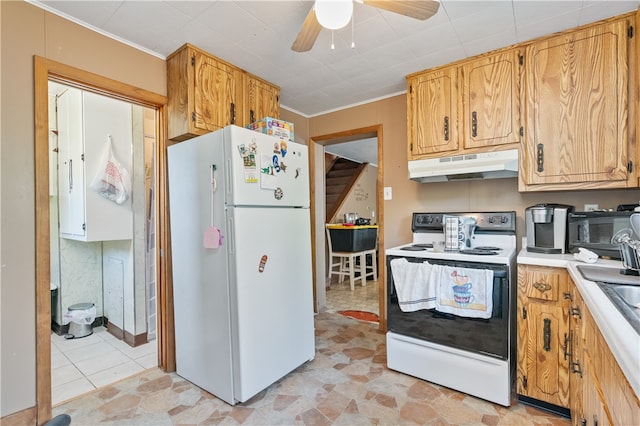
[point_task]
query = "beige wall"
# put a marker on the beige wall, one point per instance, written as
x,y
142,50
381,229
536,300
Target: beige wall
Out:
x,y
26,31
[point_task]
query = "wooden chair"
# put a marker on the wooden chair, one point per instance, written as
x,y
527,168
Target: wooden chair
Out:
x,y
345,262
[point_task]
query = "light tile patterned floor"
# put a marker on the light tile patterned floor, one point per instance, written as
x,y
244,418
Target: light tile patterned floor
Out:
x,y
82,365
347,383
340,297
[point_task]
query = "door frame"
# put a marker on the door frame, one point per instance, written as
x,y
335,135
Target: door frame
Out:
x,y
331,139
46,70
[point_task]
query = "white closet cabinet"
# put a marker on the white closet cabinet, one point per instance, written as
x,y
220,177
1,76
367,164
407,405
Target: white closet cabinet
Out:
x,y
85,121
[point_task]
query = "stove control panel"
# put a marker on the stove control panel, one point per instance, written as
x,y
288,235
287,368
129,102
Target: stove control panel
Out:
x,y
485,221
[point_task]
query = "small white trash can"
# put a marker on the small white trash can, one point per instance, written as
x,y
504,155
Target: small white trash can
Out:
x,y
80,316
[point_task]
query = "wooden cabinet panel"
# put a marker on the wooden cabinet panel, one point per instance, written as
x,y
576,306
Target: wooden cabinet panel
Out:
x,y
215,93
432,120
261,99
491,100
543,324
576,107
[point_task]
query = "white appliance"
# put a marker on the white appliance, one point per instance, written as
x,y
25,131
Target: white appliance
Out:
x,y
483,165
243,310
470,355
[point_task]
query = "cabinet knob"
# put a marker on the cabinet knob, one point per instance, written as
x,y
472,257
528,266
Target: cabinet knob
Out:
x,y
542,287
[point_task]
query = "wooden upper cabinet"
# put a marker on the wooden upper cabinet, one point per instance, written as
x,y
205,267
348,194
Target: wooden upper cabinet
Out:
x,y
576,109
491,100
432,119
261,99
204,93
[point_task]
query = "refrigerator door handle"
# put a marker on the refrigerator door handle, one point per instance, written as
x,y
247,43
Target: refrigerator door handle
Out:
x,y
231,236
229,176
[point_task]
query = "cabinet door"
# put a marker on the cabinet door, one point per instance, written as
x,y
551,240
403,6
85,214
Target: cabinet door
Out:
x,y
491,100
432,121
576,89
71,191
261,100
543,323
215,93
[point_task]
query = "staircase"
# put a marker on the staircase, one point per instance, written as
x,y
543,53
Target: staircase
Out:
x,y
339,179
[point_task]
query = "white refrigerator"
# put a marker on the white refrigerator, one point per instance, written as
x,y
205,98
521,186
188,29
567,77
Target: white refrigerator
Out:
x,y
241,259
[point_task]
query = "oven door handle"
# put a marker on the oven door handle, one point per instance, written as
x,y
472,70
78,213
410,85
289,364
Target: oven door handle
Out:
x,y
443,315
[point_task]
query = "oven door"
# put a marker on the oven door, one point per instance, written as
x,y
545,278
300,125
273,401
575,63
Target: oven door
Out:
x,y
485,336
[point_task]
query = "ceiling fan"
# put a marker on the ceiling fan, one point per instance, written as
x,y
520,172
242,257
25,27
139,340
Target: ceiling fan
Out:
x,y
418,9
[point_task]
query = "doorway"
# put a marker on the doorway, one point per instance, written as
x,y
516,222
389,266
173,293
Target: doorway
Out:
x,y
44,71
352,166
317,145
103,304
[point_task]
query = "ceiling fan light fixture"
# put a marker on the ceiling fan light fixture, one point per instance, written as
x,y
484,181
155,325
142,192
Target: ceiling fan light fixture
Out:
x,y
333,14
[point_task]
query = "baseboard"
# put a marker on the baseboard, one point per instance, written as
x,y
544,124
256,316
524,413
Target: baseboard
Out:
x,y
545,406
127,337
26,417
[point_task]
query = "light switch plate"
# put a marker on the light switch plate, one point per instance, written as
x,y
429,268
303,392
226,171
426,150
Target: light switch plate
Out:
x,y
387,193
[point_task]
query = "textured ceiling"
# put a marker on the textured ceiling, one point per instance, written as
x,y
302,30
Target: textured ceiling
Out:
x,y
257,35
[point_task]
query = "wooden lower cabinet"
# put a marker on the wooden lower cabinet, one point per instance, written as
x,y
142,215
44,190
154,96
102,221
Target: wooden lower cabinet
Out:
x,y
563,358
543,323
600,393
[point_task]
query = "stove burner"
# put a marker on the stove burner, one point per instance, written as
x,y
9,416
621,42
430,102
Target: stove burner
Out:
x,y
491,248
483,252
413,248
423,245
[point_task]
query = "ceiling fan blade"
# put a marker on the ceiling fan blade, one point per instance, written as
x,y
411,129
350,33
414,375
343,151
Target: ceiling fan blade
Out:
x,y
308,33
419,9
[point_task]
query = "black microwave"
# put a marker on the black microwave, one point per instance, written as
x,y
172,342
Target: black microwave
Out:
x,y
594,231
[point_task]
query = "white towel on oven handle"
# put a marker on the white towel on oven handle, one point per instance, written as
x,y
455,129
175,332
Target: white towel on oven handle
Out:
x,y
414,285
466,292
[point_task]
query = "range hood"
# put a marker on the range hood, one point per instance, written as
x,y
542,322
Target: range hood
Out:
x,y
486,165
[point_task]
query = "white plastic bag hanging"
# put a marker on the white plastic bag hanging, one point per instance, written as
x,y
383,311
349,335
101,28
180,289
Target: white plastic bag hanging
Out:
x,y
112,180
80,316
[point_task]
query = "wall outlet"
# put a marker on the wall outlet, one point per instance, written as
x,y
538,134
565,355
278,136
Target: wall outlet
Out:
x,y
387,193
590,207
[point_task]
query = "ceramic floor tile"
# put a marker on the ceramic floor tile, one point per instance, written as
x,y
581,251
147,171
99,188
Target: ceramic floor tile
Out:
x,y
94,350
149,360
70,390
105,360
66,345
58,359
141,350
115,374
65,374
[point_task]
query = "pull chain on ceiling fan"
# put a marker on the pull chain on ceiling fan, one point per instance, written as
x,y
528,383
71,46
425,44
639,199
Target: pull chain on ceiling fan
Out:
x,y
335,14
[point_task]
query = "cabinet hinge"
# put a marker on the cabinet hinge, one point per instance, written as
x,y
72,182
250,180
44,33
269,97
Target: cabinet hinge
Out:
x,y
84,226
524,313
82,156
411,147
521,59
193,61
524,382
630,166
630,31
540,157
576,368
193,116
521,131
410,89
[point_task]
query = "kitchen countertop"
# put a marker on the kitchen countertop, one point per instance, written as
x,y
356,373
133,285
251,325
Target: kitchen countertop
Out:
x,y
622,339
